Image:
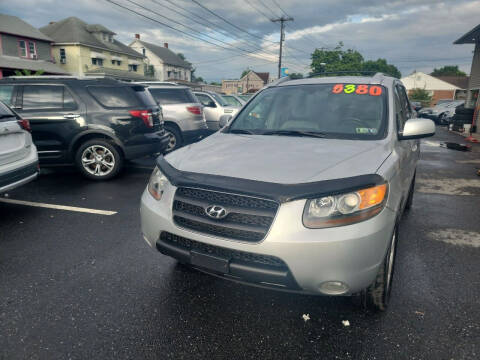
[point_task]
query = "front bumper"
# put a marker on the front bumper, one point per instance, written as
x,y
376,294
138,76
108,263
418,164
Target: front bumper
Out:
x,y
349,254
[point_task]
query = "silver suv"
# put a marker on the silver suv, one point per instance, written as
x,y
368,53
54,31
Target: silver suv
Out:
x,y
214,106
303,190
184,121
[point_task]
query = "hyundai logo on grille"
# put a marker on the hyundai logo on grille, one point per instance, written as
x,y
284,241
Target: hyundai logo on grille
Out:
x,y
216,211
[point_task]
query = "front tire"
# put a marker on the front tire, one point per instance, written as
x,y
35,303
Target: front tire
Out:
x,y
377,296
98,159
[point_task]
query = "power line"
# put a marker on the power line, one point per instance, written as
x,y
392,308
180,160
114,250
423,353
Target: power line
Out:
x,y
190,28
206,22
228,22
278,5
178,30
269,9
258,10
282,21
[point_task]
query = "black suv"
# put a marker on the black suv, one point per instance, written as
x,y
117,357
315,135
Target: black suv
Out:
x,y
95,123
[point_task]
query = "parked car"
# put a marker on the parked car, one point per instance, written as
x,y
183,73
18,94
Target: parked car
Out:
x,y
417,105
234,100
18,154
286,199
245,97
182,114
214,106
95,123
440,113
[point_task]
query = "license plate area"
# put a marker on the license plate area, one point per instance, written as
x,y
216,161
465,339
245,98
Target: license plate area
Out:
x,y
210,262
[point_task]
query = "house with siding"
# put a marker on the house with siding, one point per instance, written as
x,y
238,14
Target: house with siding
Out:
x,y
91,49
437,88
473,100
163,62
249,83
23,47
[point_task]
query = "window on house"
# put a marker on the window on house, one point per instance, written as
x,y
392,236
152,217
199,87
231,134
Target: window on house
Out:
x,y
32,48
119,62
97,61
110,38
63,56
114,62
22,45
143,51
132,67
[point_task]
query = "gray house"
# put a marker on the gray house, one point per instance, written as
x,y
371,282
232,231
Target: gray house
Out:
x,y
165,63
22,47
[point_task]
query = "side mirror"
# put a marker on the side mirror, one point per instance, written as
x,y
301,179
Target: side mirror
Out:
x,y
224,120
211,104
416,129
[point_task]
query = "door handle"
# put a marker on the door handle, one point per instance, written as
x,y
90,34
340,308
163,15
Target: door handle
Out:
x,y
71,116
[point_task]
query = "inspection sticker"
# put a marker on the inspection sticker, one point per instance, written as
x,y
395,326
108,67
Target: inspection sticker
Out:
x,y
366,131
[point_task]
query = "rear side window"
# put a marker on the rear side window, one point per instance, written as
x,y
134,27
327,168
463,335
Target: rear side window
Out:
x,y
40,97
114,96
6,92
5,113
144,96
172,96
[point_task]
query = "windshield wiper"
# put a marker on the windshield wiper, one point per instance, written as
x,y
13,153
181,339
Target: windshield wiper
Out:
x,y
295,133
6,116
241,131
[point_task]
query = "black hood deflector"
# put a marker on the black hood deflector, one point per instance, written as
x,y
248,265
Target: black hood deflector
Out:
x,y
268,190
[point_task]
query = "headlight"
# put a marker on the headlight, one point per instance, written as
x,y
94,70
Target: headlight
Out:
x,y
344,209
157,183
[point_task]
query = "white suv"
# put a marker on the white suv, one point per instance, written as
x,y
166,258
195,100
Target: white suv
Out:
x,y
18,154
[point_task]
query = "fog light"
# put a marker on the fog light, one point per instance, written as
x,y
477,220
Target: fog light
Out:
x,y
333,288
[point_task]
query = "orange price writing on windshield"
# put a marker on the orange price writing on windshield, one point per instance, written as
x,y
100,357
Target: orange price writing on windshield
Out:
x,y
358,89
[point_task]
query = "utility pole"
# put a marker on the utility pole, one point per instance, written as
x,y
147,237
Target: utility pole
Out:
x,y
282,21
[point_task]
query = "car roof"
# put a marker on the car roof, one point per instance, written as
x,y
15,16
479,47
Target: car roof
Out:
x,y
377,79
65,80
169,87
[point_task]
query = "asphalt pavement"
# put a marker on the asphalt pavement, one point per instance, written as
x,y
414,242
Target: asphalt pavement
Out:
x,y
82,285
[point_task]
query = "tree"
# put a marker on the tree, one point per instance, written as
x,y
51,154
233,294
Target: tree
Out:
x,y
198,79
296,76
421,95
25,72
448,70
181,56
245,72
215,83
382,66
350,62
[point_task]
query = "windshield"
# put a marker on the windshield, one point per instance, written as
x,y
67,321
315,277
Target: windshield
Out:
x,y
346,111
220,99
231,100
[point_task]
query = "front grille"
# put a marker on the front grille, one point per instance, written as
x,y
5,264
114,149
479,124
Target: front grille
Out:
x,y
230,254
248,218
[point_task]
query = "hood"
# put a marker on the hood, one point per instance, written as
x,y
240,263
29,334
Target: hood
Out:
x,y
280,159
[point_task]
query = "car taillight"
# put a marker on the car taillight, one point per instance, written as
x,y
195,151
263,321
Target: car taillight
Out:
x,y
25,124
146,116
195,110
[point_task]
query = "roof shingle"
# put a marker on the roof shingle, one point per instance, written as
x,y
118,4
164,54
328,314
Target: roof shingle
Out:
x,y
167,55
14,25
74,30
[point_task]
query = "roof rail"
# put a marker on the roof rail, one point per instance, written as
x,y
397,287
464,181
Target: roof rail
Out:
x,y
59,77
279,81
343,73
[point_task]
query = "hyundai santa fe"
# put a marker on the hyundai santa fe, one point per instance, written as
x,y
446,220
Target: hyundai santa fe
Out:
x,y
302,190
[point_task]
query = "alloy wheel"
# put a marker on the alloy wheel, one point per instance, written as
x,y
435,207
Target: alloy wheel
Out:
x,y
172,140
98,160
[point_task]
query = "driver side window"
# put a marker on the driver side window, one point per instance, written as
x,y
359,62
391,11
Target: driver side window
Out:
x,y
400,111
204,99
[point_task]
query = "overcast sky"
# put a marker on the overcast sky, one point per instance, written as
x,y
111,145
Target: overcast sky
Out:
x,y
411,34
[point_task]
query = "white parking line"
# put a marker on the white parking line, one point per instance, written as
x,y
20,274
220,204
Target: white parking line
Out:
x,y
58,207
